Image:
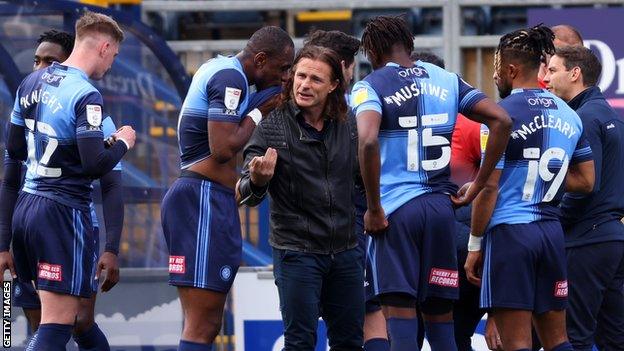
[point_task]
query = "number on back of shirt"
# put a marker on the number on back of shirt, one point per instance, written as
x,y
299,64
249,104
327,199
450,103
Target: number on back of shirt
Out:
x,y
427,139
39,165
538,167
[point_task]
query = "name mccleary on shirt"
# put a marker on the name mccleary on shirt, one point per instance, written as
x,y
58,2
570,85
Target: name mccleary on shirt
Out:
x,y
541,122
411,91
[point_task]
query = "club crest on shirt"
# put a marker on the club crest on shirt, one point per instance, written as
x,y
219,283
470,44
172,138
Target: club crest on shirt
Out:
x,y
232,97
94,115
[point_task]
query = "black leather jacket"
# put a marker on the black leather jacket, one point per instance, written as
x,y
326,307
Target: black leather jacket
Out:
x,y
311,191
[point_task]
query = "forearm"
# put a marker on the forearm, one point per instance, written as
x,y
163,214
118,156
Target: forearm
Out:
x,y
482,210
580,180
234,142
250,194
113,208
8,198
370,166
97,160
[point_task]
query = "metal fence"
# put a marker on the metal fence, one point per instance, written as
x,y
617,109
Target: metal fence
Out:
x,y
469,55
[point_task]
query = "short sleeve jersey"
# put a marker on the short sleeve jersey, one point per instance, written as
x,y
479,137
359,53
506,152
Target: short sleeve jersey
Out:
x,y
57,106
418,107
546,137
219,92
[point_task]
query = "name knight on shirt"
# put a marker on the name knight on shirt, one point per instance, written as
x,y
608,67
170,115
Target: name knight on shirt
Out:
x,y
37,96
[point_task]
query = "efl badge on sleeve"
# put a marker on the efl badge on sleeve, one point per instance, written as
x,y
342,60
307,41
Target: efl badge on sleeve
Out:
x,y
361,95
232,97
94,115
484,138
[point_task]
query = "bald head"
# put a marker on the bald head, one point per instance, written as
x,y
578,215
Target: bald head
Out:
x,y
566,35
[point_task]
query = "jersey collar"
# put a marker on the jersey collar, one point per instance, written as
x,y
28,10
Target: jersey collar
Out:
x,y
519,90
81,73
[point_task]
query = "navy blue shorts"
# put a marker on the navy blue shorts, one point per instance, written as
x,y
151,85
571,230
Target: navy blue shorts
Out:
x,y
53,246
25,294
202,229
417,254
525,267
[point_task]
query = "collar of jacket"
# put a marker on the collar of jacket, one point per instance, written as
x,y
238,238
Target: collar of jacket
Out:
x,y
292,110
590,93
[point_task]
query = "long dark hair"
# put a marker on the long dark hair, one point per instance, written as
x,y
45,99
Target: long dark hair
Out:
x,y
336,104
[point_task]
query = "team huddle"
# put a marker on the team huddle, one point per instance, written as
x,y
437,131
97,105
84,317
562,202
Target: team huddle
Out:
x,y
405,207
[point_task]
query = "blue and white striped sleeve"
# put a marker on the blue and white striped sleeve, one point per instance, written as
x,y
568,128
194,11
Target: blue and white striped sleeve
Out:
x,y
468,97
364,98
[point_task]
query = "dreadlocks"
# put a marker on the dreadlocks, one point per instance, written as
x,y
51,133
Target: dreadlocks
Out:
x,y
383,32
65,40
529,46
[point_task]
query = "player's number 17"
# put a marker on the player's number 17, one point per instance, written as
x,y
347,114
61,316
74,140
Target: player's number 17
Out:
x,y
39,166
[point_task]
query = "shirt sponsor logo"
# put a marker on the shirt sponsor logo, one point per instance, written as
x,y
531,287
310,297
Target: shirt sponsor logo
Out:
x,y
232,97
444,277
561,289
417,71
542,102
49,271
177,264
94,115
52,79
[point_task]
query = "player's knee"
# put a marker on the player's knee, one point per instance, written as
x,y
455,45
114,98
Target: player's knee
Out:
x,y
202,329
436,306
400,300
84,321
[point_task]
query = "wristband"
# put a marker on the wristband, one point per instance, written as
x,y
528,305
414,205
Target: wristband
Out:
x,y
474,243
255,115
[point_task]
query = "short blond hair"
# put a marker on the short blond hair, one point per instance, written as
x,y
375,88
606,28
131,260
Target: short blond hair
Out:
x,y
92,22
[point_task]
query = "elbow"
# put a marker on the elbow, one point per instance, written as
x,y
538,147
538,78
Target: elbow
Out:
x,y
587,187
368,144
222,156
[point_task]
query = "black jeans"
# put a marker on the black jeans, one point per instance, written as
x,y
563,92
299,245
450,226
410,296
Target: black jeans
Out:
x,y
314,285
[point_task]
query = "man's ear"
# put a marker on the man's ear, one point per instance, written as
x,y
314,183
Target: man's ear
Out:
x,y
104,47
513,70
260,59
576,74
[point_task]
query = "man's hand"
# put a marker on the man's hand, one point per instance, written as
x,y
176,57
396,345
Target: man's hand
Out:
x,y
261,168
270,105
108,262
375,222
474,267
492,338
127,134
466,194
6,262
